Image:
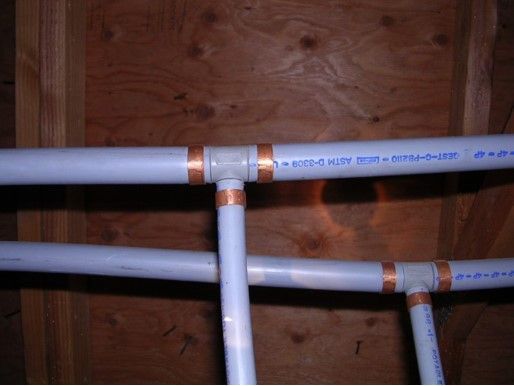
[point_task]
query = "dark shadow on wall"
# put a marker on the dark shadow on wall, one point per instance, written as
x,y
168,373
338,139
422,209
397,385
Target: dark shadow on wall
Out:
x,y
12,364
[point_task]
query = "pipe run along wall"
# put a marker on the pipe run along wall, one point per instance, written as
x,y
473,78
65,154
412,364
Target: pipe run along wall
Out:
x,y
274,271
321,274
261,163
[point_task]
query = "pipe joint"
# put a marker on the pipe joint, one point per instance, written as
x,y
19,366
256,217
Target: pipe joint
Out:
x,y
211,164
389,277
229,162
418,295
419,275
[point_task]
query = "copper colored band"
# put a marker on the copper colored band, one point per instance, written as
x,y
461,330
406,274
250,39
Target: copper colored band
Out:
x,y
445,275
264,163
389,277
195,170
230,197
418,298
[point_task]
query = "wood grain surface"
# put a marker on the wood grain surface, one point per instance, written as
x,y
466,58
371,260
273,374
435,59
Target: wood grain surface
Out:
x,y
503,80
489,351
475,36
177,72
166,73
50,91
12,369
228,72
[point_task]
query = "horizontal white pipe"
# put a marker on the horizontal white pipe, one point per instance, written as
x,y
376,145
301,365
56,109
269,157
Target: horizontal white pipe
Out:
x,y
102,260
321,274
286,272
133,165
425,341
481,274
181,265
392,157
168,165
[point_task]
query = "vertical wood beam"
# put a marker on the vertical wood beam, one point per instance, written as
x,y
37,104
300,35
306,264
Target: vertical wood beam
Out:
x,y
461,212
475,34
29,220
490,216
50,91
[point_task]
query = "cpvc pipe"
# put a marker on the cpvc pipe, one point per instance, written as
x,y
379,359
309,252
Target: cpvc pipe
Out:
x,y
288,272
254,163
235,300
281,272
425,339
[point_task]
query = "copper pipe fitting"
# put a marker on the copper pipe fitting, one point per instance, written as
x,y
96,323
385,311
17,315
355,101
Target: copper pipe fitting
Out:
x,y
445,275
264,163
389,277
418,298
230,197
195,165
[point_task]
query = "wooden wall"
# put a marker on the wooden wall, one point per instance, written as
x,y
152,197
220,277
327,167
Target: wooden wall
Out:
x,y
164,73
489,355
11,343
175,73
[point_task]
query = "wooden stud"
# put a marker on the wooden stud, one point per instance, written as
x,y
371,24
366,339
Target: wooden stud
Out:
x,y
488,218
475,36
50,91
489,210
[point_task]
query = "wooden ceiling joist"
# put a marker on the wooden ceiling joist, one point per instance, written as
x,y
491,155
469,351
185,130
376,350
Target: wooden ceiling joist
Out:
x,y
471,222
50,90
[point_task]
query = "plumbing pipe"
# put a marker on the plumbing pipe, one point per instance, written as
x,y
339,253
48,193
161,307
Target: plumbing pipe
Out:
x,y
102,260
235,300
55,166
392,157
481,274
151,263
261,163
425,339
287,272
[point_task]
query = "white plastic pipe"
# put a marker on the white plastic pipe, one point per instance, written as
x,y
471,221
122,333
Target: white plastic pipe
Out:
x,y
132,165
168,165
103,260
320,274
425,340
481,274
264,270
151,263
287,272
235,300
392,157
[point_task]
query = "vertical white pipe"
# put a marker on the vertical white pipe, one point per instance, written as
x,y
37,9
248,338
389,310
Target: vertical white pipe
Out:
x,y
235,302
425,339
